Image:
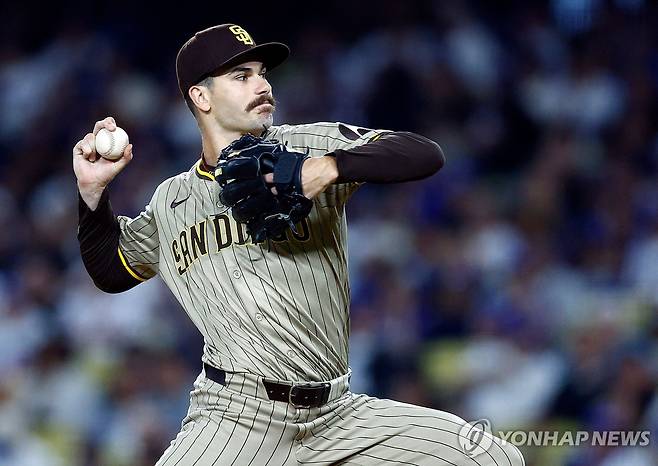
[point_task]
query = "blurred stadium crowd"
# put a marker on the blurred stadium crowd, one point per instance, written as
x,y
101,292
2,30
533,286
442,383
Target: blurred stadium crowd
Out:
x,y
519,285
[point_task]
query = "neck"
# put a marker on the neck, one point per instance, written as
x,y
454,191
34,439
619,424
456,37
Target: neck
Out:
x,y
213,143
214,140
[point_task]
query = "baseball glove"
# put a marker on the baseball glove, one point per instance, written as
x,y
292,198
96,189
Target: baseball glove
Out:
x,y
240,170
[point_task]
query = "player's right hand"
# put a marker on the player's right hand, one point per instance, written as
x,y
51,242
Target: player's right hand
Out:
x,y
94,172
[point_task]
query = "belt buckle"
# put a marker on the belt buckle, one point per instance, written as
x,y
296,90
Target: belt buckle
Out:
x,y
315,402
293,386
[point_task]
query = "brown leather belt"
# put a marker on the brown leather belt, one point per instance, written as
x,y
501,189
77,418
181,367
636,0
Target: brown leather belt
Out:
x,y
301,395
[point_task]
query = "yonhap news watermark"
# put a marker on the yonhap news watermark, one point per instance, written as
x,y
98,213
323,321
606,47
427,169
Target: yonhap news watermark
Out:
x,y
477,437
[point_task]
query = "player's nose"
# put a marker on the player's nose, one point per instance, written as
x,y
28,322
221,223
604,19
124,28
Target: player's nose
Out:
x,y
263,86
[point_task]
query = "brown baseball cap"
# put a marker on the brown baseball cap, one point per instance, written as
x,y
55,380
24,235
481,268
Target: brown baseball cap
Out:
x,y
219,48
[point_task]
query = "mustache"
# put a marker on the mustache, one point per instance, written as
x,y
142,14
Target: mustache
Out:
x,y
264,99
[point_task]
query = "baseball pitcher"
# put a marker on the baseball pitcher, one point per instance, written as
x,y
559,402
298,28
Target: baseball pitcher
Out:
x,y
252,241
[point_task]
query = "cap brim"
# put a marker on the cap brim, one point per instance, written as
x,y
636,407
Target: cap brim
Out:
x,y
271,54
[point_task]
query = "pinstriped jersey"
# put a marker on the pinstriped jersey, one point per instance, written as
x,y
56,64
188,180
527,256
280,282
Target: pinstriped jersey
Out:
x,y
279,310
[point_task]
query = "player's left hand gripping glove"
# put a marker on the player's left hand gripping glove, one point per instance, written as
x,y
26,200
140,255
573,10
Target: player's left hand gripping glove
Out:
x,y
240,172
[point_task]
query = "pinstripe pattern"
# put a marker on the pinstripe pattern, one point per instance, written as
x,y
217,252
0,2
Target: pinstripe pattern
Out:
x,y
370,431
280,312
237,424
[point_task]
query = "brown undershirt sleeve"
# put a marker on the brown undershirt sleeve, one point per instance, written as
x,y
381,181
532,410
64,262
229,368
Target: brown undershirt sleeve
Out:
x,y
391,158
98,235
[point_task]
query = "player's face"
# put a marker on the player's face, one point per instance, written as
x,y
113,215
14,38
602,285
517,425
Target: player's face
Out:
x,y
242,99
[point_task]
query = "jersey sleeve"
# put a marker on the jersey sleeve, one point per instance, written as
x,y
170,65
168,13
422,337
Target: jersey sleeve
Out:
x,y
319,139
139,243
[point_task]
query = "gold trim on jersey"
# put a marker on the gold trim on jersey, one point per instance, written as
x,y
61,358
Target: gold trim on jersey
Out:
x,y
202,173
378,135
128,268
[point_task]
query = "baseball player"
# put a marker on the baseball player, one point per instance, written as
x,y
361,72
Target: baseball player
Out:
x,y
274,384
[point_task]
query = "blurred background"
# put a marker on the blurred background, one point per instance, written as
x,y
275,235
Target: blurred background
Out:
x,y
520,284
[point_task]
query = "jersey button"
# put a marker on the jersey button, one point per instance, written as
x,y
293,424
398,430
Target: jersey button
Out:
x,y
237,274
291,354
259,316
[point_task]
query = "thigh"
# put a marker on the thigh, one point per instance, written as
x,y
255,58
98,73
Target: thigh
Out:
x,y
372,431
224,427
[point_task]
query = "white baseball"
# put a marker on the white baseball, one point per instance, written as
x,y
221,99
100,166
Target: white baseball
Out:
x,y
110,144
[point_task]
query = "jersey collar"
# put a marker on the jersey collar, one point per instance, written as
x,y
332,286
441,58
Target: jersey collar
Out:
x,y
204,171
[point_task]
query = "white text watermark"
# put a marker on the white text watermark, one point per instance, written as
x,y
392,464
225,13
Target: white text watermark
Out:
x,y
477,437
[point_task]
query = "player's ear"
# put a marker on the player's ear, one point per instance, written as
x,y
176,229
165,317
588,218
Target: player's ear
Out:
x,y
200,97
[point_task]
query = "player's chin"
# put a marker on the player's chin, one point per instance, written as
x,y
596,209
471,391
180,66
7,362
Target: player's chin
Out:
x,y
263,119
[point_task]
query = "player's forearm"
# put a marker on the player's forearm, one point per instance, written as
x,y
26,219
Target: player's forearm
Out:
x,y
98,235
392,158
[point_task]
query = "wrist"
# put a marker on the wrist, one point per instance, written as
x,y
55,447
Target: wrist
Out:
x,y
331,169
91,194
317,174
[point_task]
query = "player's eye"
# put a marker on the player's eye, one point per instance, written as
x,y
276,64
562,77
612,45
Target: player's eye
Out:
x,y
241,77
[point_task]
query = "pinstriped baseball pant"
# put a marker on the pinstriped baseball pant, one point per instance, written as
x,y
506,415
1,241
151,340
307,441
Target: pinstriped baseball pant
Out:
x,y
236,424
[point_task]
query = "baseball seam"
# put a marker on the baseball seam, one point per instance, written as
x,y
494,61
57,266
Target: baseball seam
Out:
x,y
112,142
109,151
